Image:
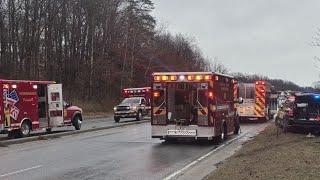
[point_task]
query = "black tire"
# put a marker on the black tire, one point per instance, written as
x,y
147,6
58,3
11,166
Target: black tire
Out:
x,y
77,121
49,130
139,116
225,131
116,119
236,126
25,129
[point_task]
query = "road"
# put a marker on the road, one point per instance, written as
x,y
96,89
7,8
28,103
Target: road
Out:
x,y
118,153
89,123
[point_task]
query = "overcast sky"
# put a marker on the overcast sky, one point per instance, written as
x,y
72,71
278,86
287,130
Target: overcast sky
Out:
x,y
268,37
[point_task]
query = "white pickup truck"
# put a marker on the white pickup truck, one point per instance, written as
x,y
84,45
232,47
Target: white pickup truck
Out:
x,y
133,107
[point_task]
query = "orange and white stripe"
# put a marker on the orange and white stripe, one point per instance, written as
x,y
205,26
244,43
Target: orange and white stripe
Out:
x,y
260,101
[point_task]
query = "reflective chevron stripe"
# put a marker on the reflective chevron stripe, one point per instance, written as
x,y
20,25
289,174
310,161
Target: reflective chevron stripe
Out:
x,y
260,101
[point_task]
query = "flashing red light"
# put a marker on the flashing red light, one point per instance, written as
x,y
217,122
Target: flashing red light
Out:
x,y
210,94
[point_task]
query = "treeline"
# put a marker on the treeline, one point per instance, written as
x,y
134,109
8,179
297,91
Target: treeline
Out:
x,y
279,84
93,47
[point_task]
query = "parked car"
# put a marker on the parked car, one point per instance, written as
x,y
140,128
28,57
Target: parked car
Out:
x,y
304,111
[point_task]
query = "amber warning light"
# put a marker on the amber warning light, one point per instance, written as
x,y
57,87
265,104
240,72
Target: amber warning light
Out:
x,y
186,77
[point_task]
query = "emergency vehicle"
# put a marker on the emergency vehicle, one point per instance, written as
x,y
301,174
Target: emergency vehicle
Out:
x,y
136,104
197,105
33,105
256,101
138,92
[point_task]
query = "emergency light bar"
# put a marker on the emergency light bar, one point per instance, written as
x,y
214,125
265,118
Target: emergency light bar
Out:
x,y
185,77
134,91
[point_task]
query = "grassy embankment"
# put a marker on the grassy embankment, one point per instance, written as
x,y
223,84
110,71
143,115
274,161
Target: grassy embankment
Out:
x,y
96,109
288,156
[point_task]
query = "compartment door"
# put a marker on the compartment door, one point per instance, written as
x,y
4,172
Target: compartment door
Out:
x,y
55,104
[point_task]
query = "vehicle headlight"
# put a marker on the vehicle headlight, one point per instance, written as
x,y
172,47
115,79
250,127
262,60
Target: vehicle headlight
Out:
x,y
134,108
115,108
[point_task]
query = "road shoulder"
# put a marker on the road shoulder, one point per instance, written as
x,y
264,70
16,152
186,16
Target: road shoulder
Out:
x,y
268,156
206,165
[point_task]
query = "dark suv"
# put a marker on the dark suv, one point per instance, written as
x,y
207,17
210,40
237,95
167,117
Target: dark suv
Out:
x,y
303,111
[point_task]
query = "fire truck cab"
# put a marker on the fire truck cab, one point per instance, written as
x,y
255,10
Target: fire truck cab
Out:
x,y
256,101
33,105
196,105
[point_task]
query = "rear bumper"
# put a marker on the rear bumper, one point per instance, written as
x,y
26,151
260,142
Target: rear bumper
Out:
x,y
304,123
202,132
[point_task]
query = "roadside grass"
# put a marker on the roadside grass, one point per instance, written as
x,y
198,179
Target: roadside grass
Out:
x,y
288,156
96,109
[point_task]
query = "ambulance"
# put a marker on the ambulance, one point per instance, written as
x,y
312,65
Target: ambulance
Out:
x,y
32,105
196,105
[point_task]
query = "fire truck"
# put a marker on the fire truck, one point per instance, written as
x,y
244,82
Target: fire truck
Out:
x,y
196,105
32,105
256,101
136,104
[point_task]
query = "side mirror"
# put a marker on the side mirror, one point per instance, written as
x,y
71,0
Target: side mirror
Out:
x,y
240,100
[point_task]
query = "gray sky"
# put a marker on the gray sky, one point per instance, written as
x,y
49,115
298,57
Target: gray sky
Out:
x,y
268,37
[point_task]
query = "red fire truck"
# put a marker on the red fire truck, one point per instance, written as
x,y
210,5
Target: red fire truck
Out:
x,y
33,105
197,105
256,101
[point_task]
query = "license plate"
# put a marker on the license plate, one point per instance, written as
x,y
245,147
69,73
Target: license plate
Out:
x,y
181,132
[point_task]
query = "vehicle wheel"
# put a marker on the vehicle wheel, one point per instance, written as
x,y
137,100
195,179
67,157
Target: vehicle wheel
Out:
x,y
116,119
139,116
224,131
236,127
77,122
25,129
49,130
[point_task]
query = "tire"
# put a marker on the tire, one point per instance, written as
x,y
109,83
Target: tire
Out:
x,y
236,127
139,116
25,129
49,130
224,129
116,119
77,121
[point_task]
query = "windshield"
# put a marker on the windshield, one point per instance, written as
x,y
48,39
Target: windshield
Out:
x,y
131,101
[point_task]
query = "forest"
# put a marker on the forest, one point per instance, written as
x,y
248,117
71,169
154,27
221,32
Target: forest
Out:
x,y
94,47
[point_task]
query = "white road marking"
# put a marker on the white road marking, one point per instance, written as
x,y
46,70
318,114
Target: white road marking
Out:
x,y
173,175
20,171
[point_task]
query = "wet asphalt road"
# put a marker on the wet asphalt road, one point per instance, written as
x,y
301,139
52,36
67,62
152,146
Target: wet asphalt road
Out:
x,y
119,153
87,124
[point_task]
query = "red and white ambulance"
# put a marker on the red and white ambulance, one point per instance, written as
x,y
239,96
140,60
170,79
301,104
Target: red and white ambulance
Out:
x,y
197,105
31,105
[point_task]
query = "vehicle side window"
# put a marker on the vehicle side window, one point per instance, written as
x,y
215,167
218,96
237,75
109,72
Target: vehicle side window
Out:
x,y
143,101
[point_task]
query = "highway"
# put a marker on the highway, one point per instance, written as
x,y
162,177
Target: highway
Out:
x,y
119,153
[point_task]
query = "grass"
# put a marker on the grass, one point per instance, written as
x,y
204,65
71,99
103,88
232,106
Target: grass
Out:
x,y
288,156
96,109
